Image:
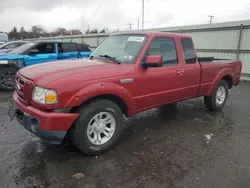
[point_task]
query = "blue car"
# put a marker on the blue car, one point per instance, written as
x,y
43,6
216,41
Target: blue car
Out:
x,y
33,53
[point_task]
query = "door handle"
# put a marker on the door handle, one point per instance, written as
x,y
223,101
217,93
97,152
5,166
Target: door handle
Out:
x,y
179,72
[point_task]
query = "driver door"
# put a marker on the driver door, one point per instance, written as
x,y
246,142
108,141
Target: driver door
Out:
x,y
46,52
160,85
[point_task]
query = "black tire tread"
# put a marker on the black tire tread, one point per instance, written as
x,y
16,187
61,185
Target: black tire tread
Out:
x,y
210,101
2,70
85,111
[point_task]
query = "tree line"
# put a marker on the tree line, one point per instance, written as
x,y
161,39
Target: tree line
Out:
x,y
38,31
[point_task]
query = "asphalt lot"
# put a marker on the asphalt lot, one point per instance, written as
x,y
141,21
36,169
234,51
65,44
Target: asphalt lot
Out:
x,y
180,146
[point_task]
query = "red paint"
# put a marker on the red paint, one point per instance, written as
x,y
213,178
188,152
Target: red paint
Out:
x,y
77,81
48,120
154,59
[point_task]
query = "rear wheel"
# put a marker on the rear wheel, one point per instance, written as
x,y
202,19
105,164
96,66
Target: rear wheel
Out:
x,y
7,78
98,127
218,99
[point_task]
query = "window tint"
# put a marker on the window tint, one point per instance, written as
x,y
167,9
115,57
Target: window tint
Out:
x,y
82,48
45,48
189,52
66,47
166,48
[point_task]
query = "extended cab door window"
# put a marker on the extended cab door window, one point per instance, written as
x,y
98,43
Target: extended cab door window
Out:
x,y
166,48
188,50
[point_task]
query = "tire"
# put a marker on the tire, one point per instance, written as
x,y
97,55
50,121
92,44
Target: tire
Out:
x,y
7,78
212,103
78,133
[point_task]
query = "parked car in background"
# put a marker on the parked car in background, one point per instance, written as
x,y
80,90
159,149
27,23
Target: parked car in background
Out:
x,y
7,47
1,43
33,53
86,100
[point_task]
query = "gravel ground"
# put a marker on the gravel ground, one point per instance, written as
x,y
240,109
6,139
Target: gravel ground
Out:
x,y
178,146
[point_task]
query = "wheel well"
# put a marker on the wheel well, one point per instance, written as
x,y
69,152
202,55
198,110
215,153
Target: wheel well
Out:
x,y
229,81
120,102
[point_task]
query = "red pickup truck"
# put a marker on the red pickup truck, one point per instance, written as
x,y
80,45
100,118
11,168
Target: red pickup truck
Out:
x,y
87,100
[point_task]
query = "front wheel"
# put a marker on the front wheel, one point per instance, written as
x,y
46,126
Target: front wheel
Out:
x,y
219,97
7,78
98,127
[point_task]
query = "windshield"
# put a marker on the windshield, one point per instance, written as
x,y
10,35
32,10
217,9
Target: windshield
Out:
x,y
124,48
2,44
21,49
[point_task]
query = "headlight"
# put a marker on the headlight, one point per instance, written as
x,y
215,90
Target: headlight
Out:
x,y
3,62
17,62
44,96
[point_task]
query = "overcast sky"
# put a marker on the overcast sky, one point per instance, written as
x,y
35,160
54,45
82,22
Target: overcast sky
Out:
x,y
117,14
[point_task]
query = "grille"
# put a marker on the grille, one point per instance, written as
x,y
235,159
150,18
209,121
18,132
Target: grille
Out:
x,y
23,88
20,86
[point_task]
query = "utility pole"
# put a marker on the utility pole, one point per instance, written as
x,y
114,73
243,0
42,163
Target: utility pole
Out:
x,y
138,24
142,15
130,26
211,18
82,23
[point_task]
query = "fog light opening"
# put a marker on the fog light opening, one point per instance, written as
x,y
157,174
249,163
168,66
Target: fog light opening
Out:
x,y
33,125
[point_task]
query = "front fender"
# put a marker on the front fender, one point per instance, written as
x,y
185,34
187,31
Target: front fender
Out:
x,y
219,76
103,88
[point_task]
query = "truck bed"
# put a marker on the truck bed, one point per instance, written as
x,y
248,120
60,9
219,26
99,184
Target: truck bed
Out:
x,y
210,69
213,59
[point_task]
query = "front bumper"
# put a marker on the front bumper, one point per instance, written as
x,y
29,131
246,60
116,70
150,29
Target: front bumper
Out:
x,y
49,126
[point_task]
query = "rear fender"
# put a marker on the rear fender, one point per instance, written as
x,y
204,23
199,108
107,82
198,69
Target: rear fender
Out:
x,y
220,75
103,88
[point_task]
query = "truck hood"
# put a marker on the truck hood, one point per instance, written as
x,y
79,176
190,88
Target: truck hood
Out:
x,y
45,73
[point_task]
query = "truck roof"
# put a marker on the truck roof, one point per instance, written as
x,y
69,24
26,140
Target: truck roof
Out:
x,y
148,33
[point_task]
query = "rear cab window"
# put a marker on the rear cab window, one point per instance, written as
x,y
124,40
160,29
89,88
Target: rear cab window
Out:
x,y
188,51
164,46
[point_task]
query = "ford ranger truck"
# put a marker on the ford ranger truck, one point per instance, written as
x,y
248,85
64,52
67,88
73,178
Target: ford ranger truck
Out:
x,y
86,100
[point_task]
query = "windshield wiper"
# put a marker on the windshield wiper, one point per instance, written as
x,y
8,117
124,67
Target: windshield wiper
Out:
x,y
111,58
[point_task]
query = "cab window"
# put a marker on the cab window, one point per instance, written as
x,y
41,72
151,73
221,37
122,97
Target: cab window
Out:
x,y
166,48
188,50
45,48
82,48
66,47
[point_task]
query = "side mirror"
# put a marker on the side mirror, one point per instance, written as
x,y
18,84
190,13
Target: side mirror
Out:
x,y
33,52
153,61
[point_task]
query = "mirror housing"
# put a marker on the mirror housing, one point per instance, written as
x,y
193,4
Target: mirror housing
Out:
x,y
33,52
153,61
